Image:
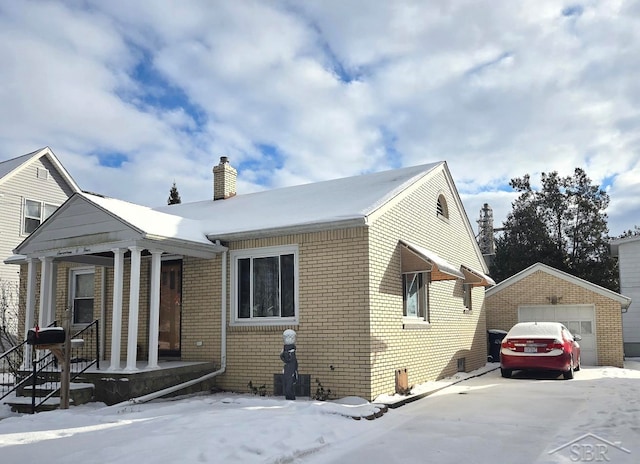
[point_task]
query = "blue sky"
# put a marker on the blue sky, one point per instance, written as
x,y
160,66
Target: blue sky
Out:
x,y
132,96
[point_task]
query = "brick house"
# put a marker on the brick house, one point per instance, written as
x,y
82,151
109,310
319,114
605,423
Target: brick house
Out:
x,y
379,274
543,293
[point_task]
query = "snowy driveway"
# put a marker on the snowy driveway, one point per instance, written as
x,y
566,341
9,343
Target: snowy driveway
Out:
x,y
486,419
489,419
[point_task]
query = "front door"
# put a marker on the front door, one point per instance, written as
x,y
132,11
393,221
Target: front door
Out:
x,y
170,308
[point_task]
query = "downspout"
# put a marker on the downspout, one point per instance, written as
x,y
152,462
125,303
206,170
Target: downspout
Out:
x,y
223,347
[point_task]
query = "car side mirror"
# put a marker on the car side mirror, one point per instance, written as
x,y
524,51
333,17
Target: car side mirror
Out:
x,y
577,337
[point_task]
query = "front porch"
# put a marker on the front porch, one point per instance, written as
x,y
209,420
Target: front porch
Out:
x,y
100,385
114,387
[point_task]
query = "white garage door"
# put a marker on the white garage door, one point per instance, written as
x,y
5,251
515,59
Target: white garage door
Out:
x,y
579,319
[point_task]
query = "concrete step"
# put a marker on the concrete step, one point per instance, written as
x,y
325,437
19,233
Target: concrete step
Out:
x,y
79,393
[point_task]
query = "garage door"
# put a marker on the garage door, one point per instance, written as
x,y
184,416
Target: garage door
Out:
x,y
579,319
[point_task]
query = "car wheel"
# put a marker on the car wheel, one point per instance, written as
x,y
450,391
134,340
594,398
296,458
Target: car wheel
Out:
x,y
577,368
568,375
506,373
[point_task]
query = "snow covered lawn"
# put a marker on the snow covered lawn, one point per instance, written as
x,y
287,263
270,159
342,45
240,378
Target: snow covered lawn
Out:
x,y
484,419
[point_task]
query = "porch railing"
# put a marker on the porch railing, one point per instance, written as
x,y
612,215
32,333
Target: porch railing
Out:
x,y
12,368
45,369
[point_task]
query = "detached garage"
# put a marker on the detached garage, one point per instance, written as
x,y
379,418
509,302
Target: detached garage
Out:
x,y
542,293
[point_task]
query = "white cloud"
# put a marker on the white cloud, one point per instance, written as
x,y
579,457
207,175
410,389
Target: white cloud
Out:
x,y
296,92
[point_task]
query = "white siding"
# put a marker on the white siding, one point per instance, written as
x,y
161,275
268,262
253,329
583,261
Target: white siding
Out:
x,y
630,286
25,185
79,223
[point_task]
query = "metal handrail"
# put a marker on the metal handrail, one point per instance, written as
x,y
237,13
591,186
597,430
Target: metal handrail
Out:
x,y
46,366
13,359
50,359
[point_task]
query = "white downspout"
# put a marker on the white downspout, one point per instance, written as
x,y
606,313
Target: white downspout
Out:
x,y
223,349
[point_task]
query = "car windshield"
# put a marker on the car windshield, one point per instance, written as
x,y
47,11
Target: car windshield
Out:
x,y
535,329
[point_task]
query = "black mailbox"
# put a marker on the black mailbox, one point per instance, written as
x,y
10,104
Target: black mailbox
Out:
x,y
46,336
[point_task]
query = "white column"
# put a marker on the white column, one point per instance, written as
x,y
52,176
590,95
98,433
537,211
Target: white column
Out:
x,y
46,289
154,316
116,316
134,298
30,310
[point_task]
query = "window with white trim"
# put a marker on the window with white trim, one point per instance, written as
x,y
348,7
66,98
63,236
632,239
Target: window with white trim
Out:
x,y
416,296
265,286
35,213
82,295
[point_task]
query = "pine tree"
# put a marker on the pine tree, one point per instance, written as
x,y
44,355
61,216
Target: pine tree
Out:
x,y
174,196
562,225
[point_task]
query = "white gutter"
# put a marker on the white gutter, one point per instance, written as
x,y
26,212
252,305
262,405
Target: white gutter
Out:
x,y
223,349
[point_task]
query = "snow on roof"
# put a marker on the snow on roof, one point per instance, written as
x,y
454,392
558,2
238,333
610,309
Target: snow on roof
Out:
x,y
535,329
333,201
150,221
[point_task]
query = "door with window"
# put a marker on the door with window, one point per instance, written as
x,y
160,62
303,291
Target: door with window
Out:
x,y
169,336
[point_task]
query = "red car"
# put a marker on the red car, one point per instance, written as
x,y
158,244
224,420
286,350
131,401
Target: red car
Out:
x,y
540,346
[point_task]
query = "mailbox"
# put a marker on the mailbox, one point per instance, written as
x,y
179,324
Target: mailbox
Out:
x,y
46,336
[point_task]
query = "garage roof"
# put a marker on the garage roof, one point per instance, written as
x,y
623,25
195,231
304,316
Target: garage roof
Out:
x,y
624,301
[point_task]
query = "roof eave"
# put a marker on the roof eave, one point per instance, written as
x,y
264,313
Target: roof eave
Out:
x,y
289,230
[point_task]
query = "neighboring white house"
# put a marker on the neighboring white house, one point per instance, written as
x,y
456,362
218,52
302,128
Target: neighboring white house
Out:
x,y
32,186
628,252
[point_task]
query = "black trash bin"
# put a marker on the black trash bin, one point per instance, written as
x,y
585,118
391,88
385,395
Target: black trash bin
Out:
x,y
494,340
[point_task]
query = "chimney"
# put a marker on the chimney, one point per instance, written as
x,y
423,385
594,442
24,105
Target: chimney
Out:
x,y
224,180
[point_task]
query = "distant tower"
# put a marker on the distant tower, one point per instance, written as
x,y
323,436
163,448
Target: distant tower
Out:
x,y
485,233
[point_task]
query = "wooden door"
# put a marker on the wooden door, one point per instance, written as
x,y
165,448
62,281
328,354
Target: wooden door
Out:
x,y
169,336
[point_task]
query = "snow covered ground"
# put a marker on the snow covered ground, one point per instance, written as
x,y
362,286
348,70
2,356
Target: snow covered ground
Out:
x,y
475,419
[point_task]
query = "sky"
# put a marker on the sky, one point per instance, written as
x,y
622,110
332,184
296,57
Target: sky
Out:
x,y
470,415
133,96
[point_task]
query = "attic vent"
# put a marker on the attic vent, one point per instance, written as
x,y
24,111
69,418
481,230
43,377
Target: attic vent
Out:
x,y
442,210
42,173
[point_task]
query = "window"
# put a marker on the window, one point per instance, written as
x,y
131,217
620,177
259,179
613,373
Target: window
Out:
x,y
416,295
442,210
82,288
35,213
265,285
467,296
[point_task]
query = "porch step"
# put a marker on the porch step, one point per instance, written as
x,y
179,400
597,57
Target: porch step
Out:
x,y
79,393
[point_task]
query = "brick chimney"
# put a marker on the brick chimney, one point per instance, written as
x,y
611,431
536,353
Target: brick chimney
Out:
x,y
224,180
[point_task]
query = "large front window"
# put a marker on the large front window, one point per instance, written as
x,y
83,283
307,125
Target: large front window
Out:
x,y
265,285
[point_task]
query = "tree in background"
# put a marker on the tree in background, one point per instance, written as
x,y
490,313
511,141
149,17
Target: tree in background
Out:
x,y
562,225
8,315
630,233
174,196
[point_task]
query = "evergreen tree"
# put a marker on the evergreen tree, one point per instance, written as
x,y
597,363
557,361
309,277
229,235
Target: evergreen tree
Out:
x,y
174,196
562,225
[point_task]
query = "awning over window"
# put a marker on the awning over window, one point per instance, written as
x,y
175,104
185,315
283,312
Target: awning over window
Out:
x,y
476,278
418,259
